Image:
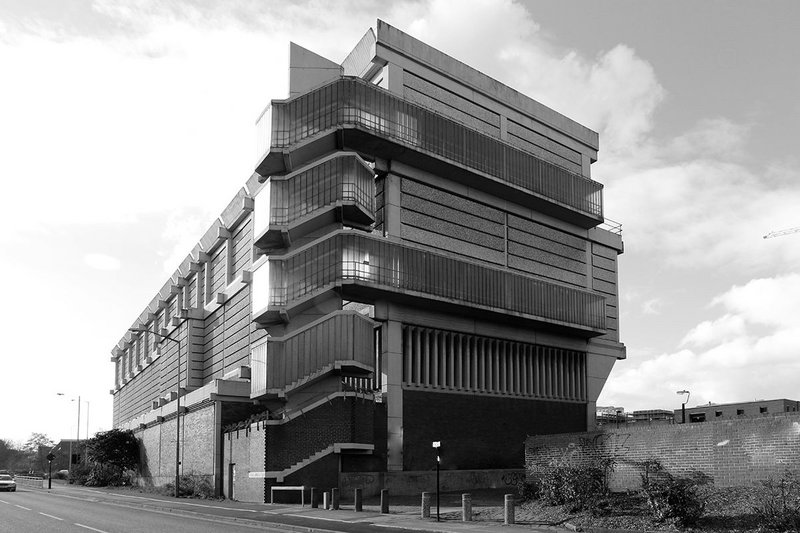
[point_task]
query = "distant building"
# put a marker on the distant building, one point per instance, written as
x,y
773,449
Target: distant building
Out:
x,y
610,415
722,411
653,416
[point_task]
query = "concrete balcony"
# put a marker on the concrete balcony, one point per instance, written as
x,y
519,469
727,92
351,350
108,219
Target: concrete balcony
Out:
x,y
365,268
341,343
353,114
340,188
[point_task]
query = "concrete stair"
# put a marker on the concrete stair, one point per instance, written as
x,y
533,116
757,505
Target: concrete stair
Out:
x,y
339,447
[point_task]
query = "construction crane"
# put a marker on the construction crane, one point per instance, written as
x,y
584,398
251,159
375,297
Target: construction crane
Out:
x,y
781,233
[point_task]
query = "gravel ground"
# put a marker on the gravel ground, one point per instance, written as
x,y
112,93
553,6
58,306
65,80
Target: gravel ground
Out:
x,y
728,510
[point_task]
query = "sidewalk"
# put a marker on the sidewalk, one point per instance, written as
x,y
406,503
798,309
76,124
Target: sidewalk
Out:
x,y
293,517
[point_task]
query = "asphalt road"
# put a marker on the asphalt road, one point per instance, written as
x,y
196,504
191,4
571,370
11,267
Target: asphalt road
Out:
x,y
40,511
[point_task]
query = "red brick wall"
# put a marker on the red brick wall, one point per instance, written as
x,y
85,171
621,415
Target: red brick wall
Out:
x,y
732,452
341,420
478,432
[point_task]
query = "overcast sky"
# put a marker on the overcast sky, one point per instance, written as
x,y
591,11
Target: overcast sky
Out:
x,y
127,126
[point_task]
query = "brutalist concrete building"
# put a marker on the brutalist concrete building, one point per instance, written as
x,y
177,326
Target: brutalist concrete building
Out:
x,y
420,256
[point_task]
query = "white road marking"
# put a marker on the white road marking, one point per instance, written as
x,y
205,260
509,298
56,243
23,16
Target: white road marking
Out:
x,y
21,507
90,528
5,502
50,516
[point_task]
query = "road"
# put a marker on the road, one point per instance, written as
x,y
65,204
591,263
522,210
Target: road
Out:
x,y
68,508
83,511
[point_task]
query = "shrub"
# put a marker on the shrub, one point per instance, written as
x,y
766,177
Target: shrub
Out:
x,y
578,487
675,498
527,491
778,508
79,474
192,486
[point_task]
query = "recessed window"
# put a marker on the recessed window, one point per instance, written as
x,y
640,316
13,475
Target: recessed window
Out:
x,y
739,412
718,413
762,410
697,417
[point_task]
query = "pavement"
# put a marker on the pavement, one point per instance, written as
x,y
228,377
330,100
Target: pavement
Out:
x,y
305,519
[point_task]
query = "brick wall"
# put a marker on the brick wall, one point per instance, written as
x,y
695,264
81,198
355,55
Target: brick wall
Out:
x,y
732,452
478,432
341,420
244,449
157,446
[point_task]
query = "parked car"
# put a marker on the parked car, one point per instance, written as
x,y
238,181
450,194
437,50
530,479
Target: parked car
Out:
x,y
7,483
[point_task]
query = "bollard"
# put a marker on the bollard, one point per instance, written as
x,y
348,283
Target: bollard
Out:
x,y
357,500
466,507
326,500
426,505
314,498
508,514
335,499
384,501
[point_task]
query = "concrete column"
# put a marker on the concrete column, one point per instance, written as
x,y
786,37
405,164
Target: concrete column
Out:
x,y
314,498
392,363
466,507
218,448
394,78
425,511
326,500
508,511
391,210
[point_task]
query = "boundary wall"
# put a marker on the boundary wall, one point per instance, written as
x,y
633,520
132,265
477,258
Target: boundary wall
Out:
x,y
732,452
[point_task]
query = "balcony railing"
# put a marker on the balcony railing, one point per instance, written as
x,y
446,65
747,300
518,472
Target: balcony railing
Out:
x,y
372,262
341,179
340,338
352,102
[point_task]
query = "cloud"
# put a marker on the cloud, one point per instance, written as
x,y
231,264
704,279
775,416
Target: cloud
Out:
x,y
102,261
748,352
652,306
615,93
182,231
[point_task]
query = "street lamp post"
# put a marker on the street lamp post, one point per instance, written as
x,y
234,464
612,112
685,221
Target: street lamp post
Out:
x,y
683,405
78,439
166,336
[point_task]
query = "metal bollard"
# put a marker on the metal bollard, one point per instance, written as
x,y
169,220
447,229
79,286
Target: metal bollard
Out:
x,y
508,513
466,507
314,498
335,499
385,501
326,500
358,502
426,505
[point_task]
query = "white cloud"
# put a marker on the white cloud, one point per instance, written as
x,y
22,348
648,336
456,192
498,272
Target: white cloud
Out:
x,y
749,352
652,306
102,261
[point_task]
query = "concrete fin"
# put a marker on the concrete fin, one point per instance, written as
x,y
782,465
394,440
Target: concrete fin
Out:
x,y
308,70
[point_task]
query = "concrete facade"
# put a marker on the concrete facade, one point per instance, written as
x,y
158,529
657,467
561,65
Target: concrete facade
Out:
x,y
420,255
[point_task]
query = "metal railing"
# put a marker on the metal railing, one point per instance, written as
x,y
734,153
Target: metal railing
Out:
x,y
347,258
352,102
343,336
341,179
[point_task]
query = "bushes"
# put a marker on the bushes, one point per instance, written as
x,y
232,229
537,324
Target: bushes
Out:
x,y
779,503
673,498
192,486
579,487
